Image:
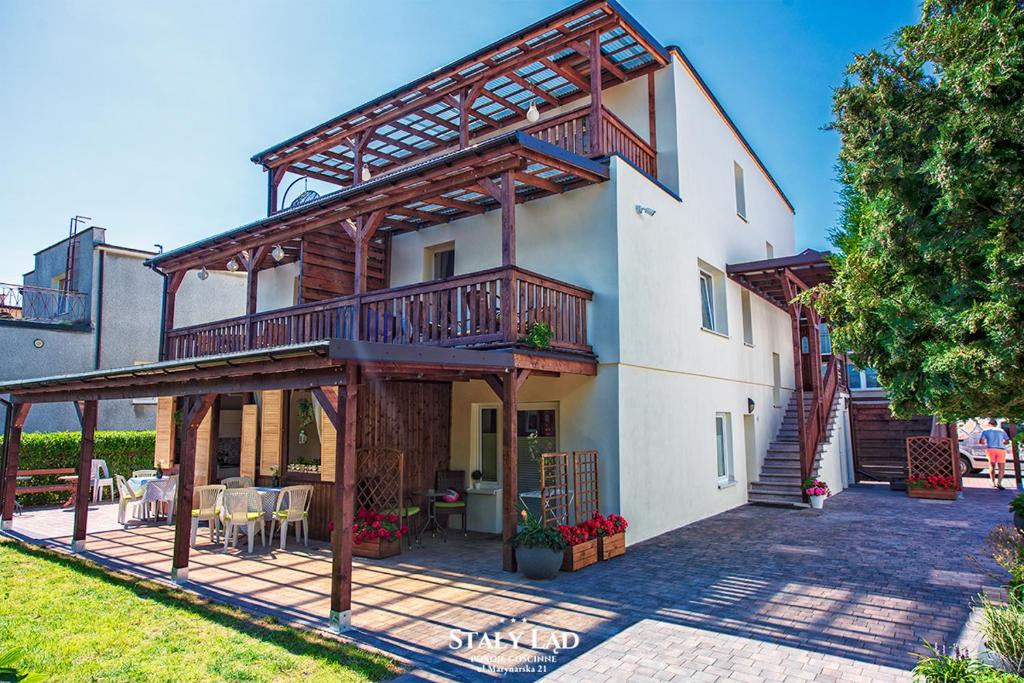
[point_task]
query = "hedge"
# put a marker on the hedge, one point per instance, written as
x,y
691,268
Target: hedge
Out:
x,y
123,451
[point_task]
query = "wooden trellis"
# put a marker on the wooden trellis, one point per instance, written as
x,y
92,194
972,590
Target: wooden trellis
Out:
x,y
927,457
379,473
554,488
586,501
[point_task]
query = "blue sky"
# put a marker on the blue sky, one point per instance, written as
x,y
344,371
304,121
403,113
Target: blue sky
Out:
x,y
143,115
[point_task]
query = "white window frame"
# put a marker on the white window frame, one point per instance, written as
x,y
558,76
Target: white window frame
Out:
x,y
475,426
477,451
713,280
748,317
429,257
741,190
728,477
707,301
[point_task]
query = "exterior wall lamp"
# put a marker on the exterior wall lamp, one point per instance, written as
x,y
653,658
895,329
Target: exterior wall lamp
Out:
x,y
641,210
203,273
232,264
277,253
533,114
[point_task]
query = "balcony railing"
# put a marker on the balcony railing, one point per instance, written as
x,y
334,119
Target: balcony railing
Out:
x,y
467,310
43,305
572,131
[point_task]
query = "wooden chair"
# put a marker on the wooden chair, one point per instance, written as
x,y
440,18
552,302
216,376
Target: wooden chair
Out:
x,y
206,508
455,480
297,512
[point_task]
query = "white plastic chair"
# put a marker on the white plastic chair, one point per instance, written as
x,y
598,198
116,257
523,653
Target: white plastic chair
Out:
x,y
243,507
297,513
206,508
237,482
143,473
126,496
100,477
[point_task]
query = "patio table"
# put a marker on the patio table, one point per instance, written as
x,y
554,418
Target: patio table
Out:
x,y
268,500
432,496
153,492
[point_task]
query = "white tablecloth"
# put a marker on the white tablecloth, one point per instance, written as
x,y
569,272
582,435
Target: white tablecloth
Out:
x,y
268,500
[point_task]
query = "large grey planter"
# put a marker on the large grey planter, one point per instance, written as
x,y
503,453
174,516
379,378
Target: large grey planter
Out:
x,y
539,563
1018,521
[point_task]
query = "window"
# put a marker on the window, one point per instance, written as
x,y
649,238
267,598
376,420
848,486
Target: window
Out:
x,y
723,447
862,378
776,381
489,444
439,261
537,434
712,299
741,196
707,301
769,250
748,324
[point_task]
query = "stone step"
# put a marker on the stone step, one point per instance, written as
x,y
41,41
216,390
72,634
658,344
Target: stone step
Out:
x,y
788,479
795,502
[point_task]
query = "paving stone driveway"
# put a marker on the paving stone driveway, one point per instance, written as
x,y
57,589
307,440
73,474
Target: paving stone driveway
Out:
x,y
749,595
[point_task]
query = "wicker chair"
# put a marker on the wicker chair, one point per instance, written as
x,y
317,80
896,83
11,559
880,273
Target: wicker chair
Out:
x,y
455,480
126,496
206,508
243,507
297,512
237,482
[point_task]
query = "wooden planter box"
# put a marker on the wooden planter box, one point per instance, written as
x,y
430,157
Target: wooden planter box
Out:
x,y
933,494
579,556
611,546
377,549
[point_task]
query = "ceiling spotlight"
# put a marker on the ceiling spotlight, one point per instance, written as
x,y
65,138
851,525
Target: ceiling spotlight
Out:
x,y
232,264
365,174
203,273
641,209
277,252
533,114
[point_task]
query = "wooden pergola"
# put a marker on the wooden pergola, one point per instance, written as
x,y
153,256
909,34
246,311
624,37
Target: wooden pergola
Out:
x,y
574,53
334,370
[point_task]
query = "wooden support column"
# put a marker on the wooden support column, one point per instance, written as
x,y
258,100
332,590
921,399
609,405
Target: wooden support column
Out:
x,y
12,453
504,193
82,498
358,145
274,177
652,126
596,126
252,267
173,282
507,388
196,408
344,502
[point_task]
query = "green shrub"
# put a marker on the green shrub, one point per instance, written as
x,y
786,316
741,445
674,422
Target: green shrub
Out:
x,y
957,666
1003,628
123,451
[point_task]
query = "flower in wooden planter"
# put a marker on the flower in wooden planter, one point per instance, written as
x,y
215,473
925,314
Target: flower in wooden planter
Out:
x,y
934,482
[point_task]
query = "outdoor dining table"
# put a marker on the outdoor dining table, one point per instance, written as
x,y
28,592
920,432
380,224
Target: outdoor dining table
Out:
x,y
268,500
432,496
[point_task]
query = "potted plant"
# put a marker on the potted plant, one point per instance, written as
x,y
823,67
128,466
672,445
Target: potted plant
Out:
x,y
476,476
538,335
159,472
376,535
582,550
610,533
306,417
1017,508
936,487
539,549
275,476
817,491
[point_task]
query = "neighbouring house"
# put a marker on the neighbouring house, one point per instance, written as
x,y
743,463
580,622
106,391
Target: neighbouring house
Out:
x,y
559,243
89,305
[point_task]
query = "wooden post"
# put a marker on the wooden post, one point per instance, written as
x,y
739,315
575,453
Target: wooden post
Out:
x,y
652,126
596,128
252,268
89,410
174,281
343,505
510,467
274,177
12,452
195,410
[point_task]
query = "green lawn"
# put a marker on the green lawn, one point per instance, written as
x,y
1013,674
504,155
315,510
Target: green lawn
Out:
x,y
75,621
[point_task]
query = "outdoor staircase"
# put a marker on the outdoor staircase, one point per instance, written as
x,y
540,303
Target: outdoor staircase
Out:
x,y
780,483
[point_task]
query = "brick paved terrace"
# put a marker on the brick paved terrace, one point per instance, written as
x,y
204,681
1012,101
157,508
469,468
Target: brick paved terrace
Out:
x,y
753,594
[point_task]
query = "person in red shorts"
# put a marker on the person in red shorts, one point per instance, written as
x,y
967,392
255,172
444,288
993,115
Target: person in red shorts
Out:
x,y
995,440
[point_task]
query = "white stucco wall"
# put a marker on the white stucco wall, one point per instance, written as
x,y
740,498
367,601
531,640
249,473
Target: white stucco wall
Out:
x,y
220,296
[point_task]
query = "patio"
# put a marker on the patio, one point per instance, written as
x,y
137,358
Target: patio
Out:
x,y
753,594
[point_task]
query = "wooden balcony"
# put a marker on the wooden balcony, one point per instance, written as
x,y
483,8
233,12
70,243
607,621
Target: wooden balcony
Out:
x,y
572,131
467,310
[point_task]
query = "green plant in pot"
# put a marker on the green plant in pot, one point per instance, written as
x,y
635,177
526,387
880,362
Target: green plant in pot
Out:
x,y
538,335
1017,508
539,549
